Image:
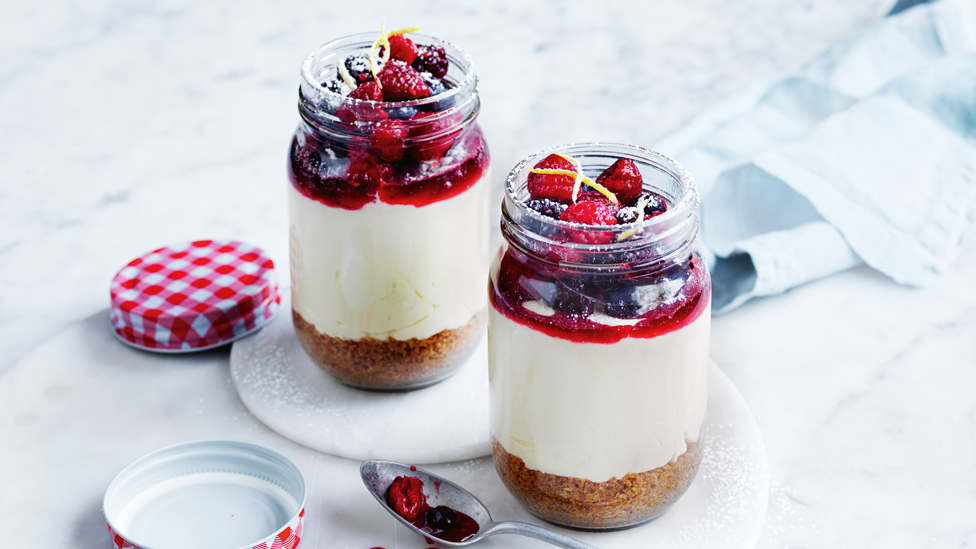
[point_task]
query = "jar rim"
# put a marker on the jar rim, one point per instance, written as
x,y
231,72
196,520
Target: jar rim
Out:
x,y
470,79
682,209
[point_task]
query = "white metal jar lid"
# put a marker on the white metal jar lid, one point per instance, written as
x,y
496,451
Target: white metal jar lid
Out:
x,y
210,494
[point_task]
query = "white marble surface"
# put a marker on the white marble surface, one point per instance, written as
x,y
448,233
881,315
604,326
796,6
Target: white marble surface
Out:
x,y
113,114
99,405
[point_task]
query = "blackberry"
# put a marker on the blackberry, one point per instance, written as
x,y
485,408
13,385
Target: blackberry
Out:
x,y
432,59
336,86
547,207
627,215
655,204
358,67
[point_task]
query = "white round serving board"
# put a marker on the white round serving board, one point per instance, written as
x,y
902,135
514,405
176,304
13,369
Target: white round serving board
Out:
x,y
82,406
281,385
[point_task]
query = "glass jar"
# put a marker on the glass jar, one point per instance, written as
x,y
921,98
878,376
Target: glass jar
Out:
x,y
388,225
598,351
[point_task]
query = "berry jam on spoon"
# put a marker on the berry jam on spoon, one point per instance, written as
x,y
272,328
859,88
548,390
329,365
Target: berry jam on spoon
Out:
x,y
459,518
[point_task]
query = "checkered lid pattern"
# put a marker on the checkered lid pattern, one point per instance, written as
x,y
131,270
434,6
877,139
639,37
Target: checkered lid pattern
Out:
x,y
194,295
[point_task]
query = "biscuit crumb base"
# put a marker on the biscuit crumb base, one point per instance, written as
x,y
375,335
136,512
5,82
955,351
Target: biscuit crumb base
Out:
x,y
580,503
391,364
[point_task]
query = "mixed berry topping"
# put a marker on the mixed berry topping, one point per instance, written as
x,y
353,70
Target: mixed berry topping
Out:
x,y
381,148
617,197
401,69
406,497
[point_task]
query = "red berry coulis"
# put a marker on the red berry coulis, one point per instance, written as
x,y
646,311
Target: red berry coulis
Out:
x,y
366,177
571,320
406,497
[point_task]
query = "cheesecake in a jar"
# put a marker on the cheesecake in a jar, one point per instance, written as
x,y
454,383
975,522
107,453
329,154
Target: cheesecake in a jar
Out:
x,y
388,210
598,330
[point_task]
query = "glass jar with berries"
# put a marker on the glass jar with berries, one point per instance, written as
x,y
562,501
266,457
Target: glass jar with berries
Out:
x,y
388,210
598,335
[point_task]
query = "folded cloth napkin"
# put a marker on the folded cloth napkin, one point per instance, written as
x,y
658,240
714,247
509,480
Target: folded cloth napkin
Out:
x,y
866,154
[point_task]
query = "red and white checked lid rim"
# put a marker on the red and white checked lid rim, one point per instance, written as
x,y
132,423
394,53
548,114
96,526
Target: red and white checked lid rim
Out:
x,y
195,295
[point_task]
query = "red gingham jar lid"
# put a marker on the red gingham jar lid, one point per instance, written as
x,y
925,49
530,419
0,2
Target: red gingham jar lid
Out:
x,y
194,295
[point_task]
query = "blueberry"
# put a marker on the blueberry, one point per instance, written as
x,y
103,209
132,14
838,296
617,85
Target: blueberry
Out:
x,y
655,204
627,215
631,301
402,113
435,84
442,518
358,67
547,207
570,301
438,86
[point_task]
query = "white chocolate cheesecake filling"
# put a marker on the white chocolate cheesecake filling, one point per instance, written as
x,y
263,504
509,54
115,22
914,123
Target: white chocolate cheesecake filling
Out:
x,y
390,271
593,410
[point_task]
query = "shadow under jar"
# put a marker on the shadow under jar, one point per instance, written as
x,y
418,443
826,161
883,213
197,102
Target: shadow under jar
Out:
x,y
598,351
388,212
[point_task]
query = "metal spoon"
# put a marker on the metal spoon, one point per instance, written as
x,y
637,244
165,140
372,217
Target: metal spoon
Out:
x,y
378,475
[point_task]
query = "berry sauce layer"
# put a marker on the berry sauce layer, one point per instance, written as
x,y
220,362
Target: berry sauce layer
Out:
x,y
335,176
570,308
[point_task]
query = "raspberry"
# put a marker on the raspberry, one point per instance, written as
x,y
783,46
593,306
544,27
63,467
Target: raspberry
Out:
x,y
432,148
368,174
511,270
369,91
401,82
431,59
358,67
556,187
623,179
590,212
352,112
402,48
547,207
366,113
406,497
387,139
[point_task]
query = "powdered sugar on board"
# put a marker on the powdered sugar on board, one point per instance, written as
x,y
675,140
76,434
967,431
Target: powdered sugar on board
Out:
x,y
290,394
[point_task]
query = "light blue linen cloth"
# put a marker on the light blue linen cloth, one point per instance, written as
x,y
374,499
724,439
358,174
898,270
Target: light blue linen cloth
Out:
x,y
866,154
